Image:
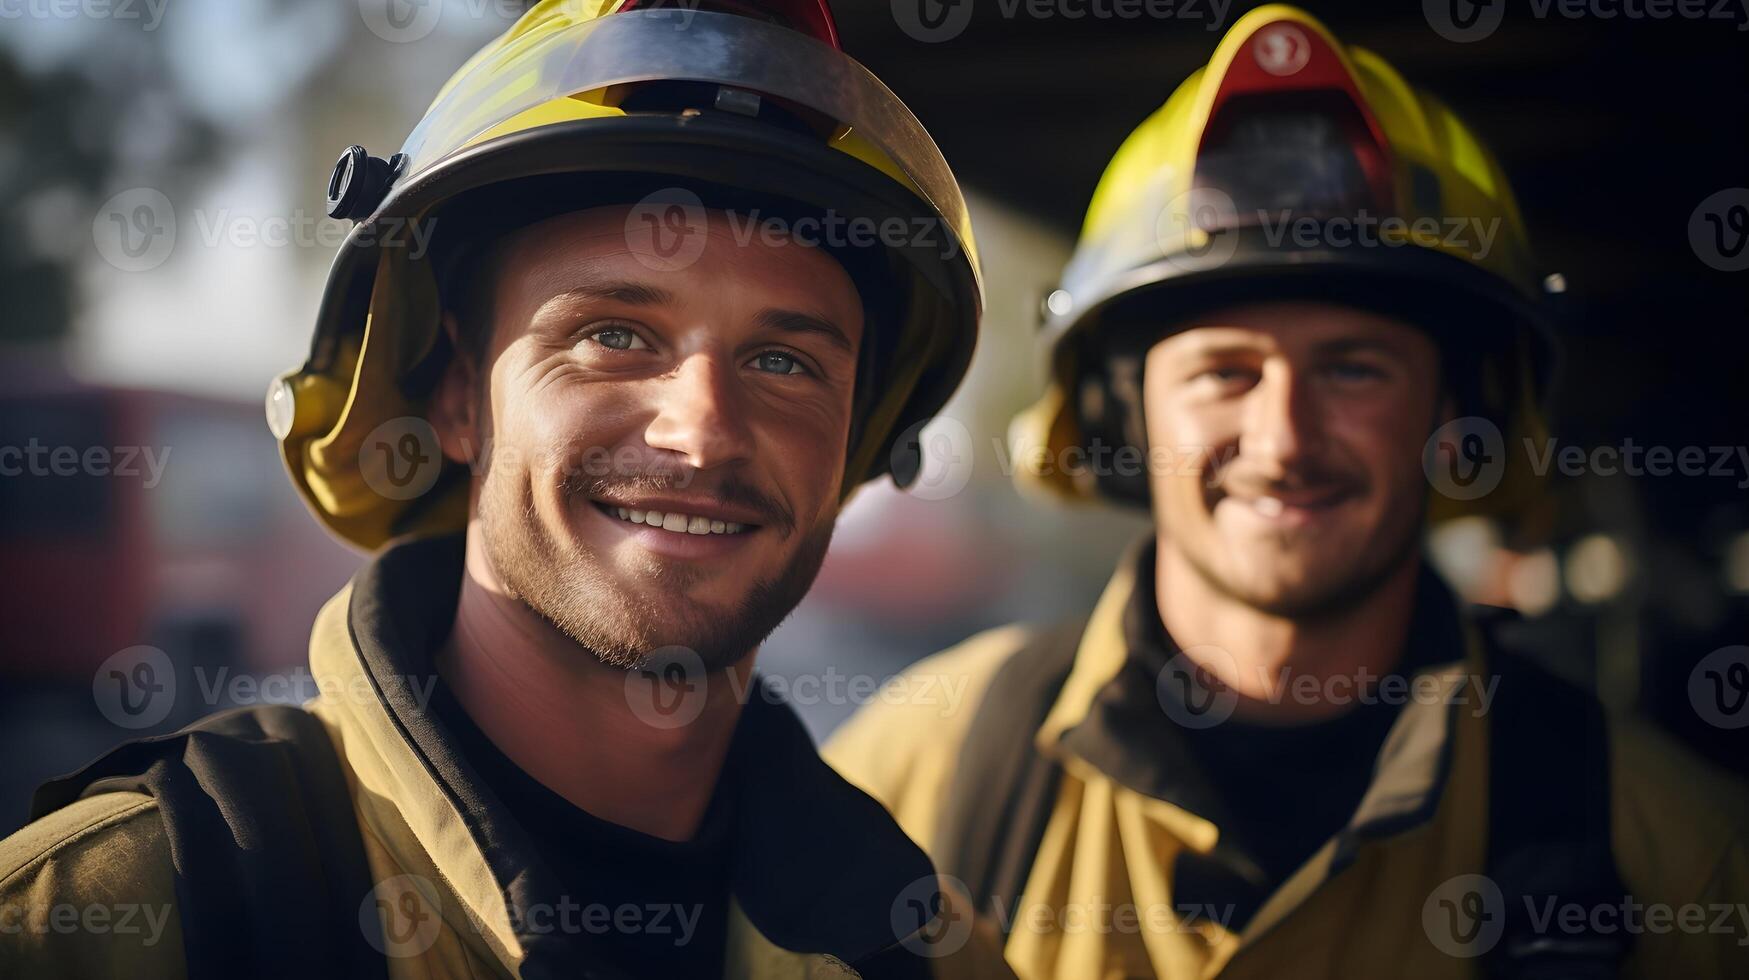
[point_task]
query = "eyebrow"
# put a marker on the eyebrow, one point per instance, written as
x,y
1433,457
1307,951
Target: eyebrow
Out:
x,y
795,321
622,291
1350,345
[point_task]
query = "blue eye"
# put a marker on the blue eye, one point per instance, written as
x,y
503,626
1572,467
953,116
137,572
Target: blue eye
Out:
x,y
1355,371
618,338
777,362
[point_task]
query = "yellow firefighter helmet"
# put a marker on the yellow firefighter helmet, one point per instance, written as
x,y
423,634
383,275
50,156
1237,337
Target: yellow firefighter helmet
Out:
x,y
1290,165
585,102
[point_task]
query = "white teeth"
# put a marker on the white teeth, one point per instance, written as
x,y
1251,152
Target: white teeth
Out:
x,y
677,522
1267,506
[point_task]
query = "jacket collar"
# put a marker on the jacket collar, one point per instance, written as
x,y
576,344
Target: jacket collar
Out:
x,y
1107,719
817,865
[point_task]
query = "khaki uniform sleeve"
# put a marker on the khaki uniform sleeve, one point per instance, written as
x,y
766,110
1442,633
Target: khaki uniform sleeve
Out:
x,y
89,891
901,748
1681,836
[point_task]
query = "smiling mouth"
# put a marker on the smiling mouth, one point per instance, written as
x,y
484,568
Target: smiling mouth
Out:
x,y
673,521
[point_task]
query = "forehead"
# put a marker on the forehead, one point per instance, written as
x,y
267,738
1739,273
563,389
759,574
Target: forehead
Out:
x,y
1292,328
679,250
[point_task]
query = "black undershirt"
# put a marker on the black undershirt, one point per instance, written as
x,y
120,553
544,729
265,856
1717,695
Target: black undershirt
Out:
x,y
1277,792
648,906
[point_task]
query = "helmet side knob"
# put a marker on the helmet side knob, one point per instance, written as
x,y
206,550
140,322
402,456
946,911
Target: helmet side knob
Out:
x,y
360,182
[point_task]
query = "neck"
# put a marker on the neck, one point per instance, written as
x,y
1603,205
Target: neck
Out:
x,y
569,720
1271,660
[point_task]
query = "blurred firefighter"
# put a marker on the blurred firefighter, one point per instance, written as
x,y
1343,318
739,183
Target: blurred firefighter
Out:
x,y
1278,747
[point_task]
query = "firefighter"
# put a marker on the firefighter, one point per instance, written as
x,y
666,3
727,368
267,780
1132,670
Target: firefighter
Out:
x,y
1302,321
595,438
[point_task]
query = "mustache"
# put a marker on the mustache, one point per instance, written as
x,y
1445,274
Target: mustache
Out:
x,y
728,490
1308,476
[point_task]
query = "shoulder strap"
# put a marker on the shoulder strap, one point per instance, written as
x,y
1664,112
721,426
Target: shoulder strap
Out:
x,y
1002,790
270,870
1548,822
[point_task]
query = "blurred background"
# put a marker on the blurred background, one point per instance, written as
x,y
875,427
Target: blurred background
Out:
x,y
163,248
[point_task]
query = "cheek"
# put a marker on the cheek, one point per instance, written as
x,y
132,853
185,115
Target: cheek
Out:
x,y
805,452
1188,444
1386,438
560,425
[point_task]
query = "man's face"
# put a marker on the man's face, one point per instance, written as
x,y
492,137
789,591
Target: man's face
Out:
x,y
1306,423
666,444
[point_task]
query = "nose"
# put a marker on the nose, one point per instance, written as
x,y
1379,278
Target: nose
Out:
x,y
699,415
1281,424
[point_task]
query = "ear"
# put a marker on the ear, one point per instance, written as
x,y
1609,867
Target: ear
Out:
x,y
454,408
